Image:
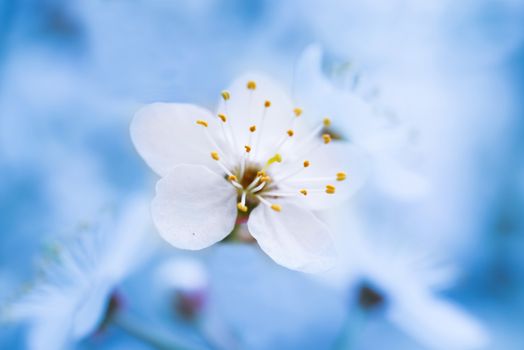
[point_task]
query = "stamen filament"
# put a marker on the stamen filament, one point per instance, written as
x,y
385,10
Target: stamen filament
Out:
x,y
259,187
275,207
242,204
267,104
253,183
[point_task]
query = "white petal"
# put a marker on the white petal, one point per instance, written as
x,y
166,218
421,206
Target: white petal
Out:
x,y
194,207
333,158
293,237
438,324
166,135
246,108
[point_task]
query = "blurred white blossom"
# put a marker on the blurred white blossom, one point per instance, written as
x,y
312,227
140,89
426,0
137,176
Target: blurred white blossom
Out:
x,y
363,121
71,299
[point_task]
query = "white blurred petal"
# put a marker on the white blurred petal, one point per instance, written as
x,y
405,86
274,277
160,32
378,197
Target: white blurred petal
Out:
x,y
438,324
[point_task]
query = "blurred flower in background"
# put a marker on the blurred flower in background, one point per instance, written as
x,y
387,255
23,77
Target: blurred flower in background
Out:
x,y
429,91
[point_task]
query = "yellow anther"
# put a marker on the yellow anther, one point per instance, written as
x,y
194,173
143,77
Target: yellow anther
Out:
x,y
326,138
202,122
253,128
276,158
248,148
267,104
341,176
298,112
261,173
276,207
330,189
251,85
214,155
232,178
242,207
222,117
225,95
306,163
265,178
304,192
290,133
326,122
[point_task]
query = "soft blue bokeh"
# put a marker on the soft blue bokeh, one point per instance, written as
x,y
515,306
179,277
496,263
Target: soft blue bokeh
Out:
x,y
72,73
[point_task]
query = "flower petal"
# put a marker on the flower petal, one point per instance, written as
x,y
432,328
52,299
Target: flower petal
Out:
x,y
293,237
336,157
194,207
166,135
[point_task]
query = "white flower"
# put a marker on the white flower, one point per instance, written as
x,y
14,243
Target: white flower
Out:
x,y
404,285
365,124
253,158
72,299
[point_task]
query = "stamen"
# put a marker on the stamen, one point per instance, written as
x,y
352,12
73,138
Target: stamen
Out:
x,y
275,207
229,135
253,183
242,204
253,128
312,136
202,122
267,104
326,122
285,177
304,192
251,85
290,132
326,138
247,148
265,178
230,177
330,189
225,95
341,176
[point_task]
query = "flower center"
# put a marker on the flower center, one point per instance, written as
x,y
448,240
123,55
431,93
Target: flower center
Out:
x,y
276,176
